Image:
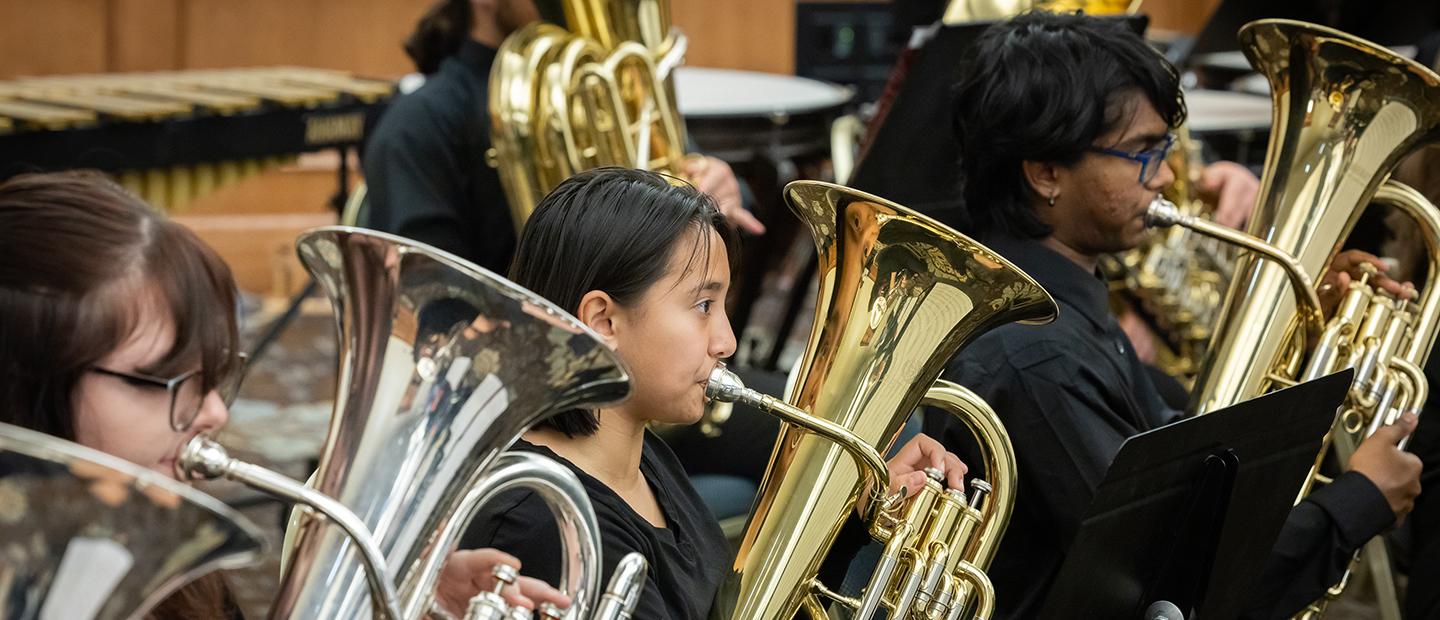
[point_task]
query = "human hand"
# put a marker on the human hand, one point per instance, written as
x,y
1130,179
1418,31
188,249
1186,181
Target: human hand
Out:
x,y
1394,471
714,177
1236,188
907,467
470,572
1349,266
1142,338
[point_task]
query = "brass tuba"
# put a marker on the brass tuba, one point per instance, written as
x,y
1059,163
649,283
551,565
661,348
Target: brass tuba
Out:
x,y
1346,111
563,102
442,365
899,295
87,535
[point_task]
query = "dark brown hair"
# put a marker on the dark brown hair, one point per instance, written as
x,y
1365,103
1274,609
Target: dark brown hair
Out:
x,y
82,257
439,33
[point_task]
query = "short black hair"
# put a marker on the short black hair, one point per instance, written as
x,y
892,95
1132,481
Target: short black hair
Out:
x,y
610,230
1043,87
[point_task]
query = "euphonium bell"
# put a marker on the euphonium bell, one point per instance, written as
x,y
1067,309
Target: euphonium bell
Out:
x,y
442,365
87,535
899,295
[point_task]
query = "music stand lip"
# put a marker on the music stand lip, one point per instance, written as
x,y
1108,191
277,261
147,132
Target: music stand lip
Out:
x,y
1153,504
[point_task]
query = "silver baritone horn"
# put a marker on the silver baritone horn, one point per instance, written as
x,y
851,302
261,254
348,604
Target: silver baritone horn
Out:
x,y
442,365
85,535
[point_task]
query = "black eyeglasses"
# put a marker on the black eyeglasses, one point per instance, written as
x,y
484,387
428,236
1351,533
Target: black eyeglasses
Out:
x,y
187,392
1150,159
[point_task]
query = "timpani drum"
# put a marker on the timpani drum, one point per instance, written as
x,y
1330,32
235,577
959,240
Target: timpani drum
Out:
x,y
741,116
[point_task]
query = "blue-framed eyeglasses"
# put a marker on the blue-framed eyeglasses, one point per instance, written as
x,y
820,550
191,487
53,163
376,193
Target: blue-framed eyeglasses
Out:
x,y
1150,159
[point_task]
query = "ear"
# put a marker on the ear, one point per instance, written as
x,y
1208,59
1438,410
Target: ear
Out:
x,y
597,311
1043,178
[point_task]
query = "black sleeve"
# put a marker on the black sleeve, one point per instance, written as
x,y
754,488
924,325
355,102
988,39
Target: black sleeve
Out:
x,y
1319,538
1059,416
515,523
415,179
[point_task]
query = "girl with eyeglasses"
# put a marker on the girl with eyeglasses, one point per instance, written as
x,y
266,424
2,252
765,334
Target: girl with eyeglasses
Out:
x,y
118,332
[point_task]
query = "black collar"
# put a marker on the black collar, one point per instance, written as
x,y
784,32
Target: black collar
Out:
x,y
1066,281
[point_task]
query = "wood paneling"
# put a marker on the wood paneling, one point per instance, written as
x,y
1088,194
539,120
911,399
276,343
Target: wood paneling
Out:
x,y
1182,16
756,35
144,35
39,37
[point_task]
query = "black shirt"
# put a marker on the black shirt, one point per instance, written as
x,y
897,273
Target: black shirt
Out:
x,y
425,165
687,558
1070,393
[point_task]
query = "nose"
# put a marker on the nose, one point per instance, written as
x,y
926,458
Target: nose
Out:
x,y
722,338
1163,179
213,414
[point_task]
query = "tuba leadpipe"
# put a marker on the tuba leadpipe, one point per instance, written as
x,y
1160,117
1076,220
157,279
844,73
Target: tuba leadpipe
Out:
x,y
899,295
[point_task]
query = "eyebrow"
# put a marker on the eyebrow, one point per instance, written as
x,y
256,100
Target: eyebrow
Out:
x,y
708,286
1146,139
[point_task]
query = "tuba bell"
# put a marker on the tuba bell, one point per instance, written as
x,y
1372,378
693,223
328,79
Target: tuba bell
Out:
x,y
1345,112
442,365
899,295
84,534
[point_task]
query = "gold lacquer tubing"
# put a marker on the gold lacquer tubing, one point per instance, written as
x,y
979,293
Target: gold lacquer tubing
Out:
x,y
1164,213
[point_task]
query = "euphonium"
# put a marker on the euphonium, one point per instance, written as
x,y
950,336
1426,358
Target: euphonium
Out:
x,y
563,102
87,535
442,365
1345,112
899,294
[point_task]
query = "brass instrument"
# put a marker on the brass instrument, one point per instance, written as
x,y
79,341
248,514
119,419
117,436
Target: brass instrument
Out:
x,y
563,102
443,365
1345,112
1178,276
899,295
965,11
84,534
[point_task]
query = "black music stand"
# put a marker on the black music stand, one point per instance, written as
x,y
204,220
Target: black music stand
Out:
x,y
1188,513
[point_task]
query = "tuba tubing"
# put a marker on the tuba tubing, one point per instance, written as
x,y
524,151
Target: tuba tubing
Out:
x,y
204,459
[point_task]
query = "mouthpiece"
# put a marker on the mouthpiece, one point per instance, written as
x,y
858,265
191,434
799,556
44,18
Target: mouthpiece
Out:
x,y
202,459
1162,214
724,386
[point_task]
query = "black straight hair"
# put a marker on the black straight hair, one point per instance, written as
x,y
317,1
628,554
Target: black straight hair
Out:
x,y
612,230
1044,87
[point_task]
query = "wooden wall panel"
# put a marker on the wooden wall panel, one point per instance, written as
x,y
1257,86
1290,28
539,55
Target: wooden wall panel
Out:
x,y
756,35
355,35
144,35
39,37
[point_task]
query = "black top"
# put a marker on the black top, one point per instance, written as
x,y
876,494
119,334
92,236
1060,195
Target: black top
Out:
x,y
687,558
425,166
1070,393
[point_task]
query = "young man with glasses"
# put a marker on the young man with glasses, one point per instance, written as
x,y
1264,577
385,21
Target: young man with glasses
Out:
x,y
1063,131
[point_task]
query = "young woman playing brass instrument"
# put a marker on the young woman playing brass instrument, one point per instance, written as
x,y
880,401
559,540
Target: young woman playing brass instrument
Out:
x,y
118,332
646,264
